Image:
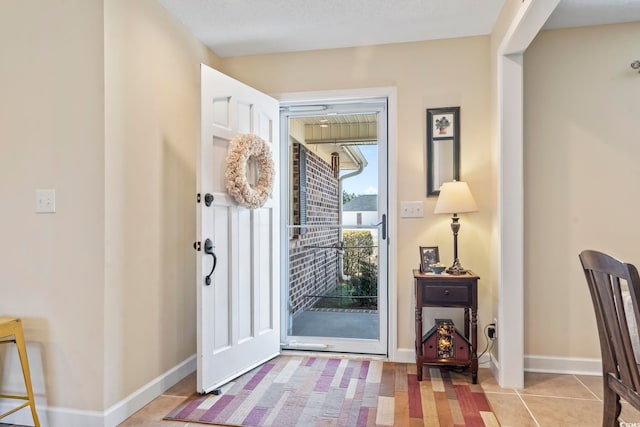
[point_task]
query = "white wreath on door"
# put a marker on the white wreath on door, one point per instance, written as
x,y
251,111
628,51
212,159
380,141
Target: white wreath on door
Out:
x,y
242,149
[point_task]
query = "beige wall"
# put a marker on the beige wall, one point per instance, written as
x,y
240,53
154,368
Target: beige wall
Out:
x,y
581,176
152,80
52,136
427,75
100,101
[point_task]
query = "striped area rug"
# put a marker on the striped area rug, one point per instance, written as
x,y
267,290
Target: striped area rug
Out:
x,y
297,391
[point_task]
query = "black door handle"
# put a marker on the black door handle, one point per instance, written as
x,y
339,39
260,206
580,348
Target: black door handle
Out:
x,y
384,226
208,249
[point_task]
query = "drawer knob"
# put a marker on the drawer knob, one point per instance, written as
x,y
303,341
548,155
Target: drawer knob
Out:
x,y
446,291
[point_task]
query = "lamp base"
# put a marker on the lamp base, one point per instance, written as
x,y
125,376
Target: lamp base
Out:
x,y
456,268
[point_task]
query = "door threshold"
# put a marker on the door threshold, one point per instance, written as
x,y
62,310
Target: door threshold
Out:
x,y
356,356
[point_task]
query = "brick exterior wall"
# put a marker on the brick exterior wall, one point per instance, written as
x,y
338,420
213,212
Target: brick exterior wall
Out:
x,y
313,261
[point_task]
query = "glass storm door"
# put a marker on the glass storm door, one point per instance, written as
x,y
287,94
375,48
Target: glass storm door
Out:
x,y
334,235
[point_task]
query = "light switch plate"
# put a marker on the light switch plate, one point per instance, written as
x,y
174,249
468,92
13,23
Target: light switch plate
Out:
x,y
411,210
45,201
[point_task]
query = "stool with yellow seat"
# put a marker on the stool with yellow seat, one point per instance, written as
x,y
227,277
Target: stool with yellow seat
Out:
x,y
11,331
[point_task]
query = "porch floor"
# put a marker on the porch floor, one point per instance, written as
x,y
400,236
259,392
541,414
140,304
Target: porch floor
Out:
x,y
336,324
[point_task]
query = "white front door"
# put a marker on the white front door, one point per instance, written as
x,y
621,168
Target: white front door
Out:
x,y
239,310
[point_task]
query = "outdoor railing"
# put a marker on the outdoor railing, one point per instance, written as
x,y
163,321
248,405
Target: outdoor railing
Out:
x,y
357,284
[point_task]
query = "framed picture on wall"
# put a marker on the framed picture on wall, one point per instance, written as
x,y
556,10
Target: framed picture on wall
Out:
x,y
443,147
429,255
444,125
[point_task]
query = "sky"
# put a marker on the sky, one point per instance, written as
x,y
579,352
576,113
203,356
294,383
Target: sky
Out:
x,y
367,181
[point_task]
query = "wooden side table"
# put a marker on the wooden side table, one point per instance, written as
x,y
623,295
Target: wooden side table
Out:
x,y
444,290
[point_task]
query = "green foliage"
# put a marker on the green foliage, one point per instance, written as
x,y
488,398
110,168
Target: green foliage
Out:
x,y
358,245
359,293
347,197
359,263
340,297
365,283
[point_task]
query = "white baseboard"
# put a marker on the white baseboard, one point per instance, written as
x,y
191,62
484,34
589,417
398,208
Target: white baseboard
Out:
x,y
138,399
543,364
495,367
562,365
404,355
52,416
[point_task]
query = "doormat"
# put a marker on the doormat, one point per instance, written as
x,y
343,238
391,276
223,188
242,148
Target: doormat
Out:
x,y
296,391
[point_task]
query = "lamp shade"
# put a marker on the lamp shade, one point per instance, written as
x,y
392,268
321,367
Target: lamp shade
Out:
x,y
455,197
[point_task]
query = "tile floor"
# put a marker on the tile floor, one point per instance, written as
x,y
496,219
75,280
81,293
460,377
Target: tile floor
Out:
x,y
547,400
551,400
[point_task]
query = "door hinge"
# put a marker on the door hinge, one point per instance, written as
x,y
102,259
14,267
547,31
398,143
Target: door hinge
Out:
x,y
197,246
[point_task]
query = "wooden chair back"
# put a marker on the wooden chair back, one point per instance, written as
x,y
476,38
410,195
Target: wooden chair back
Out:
x,y
606,278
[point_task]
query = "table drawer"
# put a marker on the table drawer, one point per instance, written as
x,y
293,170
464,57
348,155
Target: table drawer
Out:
x,y
447,294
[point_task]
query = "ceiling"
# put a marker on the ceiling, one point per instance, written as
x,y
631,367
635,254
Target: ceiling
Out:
x,y
580,13
252,27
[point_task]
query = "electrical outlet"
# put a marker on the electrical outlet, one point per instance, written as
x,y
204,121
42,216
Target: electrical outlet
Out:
x,y
493,334
45,201
491,331
411,210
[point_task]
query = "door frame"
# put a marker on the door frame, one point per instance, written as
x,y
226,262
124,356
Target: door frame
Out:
x,y
509,112
392,158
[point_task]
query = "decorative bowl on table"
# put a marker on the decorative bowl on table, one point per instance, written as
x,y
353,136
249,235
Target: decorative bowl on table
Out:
x,y
438,268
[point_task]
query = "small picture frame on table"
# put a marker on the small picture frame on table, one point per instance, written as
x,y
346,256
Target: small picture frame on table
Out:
x,y
429,255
